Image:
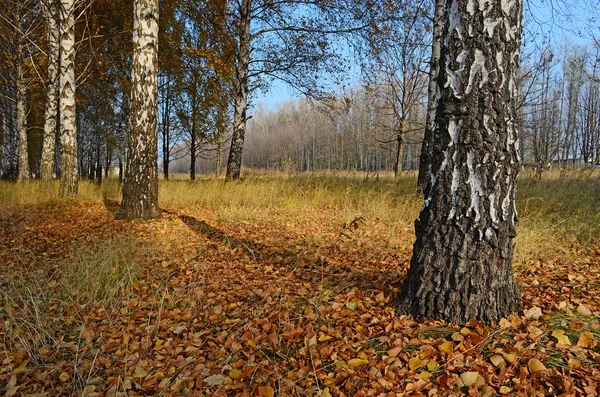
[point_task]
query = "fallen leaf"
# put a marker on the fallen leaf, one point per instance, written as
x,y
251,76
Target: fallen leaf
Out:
x,y
535,365
235,374
560,336
266,391
446,347
64,376
214,380
393,352
533,313
509,357
581,309
139,372
505,389
469,378
497,360
355,362
415,363
351,305
586,339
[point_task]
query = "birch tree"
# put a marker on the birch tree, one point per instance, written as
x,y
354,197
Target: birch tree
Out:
x,y
48,166
140,190
461,267
290,41
68,122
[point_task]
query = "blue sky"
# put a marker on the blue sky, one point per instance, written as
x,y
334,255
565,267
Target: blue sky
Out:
x,y
555,20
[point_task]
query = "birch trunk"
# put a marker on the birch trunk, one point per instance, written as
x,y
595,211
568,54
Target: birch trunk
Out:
x,y
400,150
430,138
140,190
68,123
234,164
48,162
461,267
23,159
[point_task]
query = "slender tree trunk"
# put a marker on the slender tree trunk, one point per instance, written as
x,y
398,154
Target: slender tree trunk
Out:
x,y
140,191
107,160
48,163
234,164
431,138
2,138
99,162
120,169
461,267
400,149
23,159
193,147
68,122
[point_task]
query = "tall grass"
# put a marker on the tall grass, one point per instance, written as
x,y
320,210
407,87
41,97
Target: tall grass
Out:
x,y
558,212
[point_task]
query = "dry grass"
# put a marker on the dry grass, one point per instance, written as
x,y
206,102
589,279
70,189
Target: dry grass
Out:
x,y
36,304
557,213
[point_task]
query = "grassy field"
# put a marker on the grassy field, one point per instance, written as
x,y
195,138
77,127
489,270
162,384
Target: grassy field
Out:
x,y
282,284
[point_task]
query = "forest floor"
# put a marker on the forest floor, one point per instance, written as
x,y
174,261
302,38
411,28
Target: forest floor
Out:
x,y
282,286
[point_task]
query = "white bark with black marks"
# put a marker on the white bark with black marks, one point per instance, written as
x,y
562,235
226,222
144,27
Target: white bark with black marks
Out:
x,y
461,267
69,177
23,159
234,164
47,165
140,190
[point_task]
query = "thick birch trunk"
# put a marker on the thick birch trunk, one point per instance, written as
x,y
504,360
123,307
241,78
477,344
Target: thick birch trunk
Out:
x,y
68,122
23,159
48,166
461,267
234,164
140,190
431,137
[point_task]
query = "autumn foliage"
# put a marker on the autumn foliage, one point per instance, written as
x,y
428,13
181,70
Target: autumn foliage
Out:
x,y
287,292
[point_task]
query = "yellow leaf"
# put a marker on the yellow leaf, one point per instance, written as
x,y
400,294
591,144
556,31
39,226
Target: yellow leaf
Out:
x,y
469,378
432,365
586,339
235,374
351,305
251,342
560,336
504,323
64,376
139,372
266,391
446,347
415,363
325,392
509,357
425,375
355,362
505,389
324,337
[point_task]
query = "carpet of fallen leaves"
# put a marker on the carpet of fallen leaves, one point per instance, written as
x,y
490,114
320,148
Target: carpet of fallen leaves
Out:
x,y
281,303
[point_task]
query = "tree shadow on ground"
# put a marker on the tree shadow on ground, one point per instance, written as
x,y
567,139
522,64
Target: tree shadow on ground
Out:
x,y
309,264
113,206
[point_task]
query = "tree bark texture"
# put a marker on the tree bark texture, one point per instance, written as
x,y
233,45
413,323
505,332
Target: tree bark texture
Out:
x,y
461,267
400,149
48,161
69,178
430,137
140,190
234,164
23,159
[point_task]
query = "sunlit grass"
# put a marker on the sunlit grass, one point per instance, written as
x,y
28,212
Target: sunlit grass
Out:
x,y
556,213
